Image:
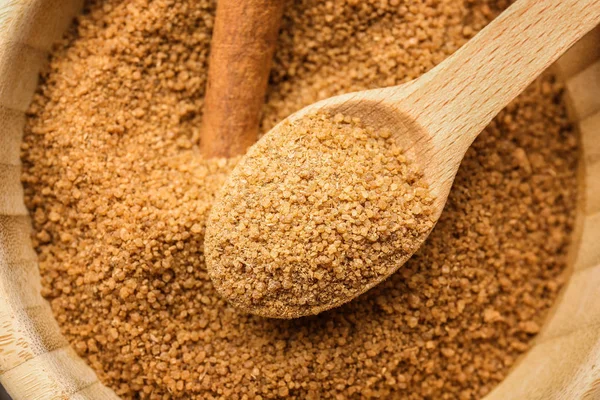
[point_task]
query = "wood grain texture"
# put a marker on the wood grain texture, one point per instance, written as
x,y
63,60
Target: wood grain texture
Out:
x,y
559,369
580,306
587,83
563,365
592,188
11,203
11,130
241,53
589,128
588,254
588,52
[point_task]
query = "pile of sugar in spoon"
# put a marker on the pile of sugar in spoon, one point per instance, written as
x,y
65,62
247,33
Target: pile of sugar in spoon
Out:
x,y
340,205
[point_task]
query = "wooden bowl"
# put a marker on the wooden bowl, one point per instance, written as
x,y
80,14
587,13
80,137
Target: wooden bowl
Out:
x,y
36,362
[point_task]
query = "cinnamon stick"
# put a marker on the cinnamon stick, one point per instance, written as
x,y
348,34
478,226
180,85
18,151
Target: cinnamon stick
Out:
x,y
242,47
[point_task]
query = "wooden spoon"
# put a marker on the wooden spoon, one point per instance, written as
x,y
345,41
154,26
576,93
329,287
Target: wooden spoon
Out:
x,y
437,116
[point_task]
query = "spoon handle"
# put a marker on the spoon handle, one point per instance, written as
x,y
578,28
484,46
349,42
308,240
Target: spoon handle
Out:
x,y
456,100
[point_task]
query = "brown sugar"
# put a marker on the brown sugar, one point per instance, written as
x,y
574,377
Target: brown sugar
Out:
x,y
119,198
319,212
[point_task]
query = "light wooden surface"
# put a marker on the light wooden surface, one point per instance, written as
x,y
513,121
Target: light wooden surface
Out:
x,y
436,117
35,361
